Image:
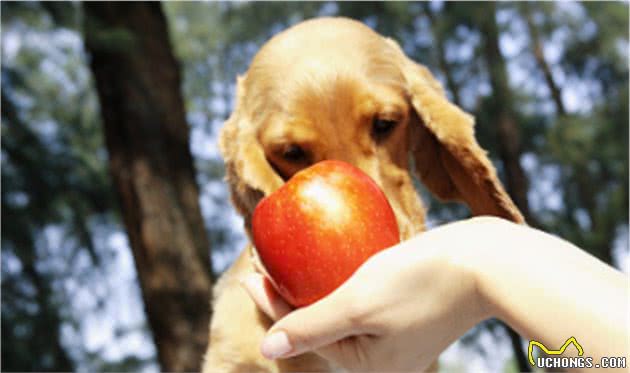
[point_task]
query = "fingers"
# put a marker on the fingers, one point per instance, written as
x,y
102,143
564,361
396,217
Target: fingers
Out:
x,y
266,298
309,328
270,302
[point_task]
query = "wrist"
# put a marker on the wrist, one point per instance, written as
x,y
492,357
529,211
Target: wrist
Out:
x,y
487,245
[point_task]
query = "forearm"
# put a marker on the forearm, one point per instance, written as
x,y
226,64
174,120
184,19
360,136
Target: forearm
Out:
x,y
549,290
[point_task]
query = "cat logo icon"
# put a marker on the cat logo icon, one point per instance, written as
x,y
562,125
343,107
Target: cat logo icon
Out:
x,y
559,351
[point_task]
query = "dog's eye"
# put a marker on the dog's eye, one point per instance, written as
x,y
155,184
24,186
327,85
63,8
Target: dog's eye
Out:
x,y
294,153
381,127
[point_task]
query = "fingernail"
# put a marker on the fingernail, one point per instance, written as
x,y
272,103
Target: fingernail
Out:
x,y
275,345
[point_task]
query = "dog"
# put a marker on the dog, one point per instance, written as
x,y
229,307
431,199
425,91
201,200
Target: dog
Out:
x,y
332,88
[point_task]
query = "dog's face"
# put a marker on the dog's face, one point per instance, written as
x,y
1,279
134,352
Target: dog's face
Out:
x,y
334,89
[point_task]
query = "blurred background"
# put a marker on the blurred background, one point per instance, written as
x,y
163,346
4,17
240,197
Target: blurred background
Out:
x,y
115,218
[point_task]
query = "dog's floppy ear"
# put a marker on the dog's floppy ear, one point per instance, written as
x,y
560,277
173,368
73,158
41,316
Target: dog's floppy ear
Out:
x,y
447,157
248,173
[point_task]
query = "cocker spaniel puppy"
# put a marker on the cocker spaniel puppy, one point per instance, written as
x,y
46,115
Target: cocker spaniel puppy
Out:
x,y
332,88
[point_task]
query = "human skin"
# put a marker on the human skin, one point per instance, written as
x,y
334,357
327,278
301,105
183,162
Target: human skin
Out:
x,y
405,305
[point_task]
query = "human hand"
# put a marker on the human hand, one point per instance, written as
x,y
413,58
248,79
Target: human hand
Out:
x,y
398,311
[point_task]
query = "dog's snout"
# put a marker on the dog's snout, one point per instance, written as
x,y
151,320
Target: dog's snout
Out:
x,y
369,165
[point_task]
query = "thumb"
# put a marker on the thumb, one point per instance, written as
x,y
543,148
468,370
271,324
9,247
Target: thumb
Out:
x,y
309,328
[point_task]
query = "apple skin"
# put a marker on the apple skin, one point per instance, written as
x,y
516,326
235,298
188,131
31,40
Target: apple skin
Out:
x,y
316,230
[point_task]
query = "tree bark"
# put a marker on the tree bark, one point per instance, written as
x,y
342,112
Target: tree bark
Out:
x,y
138,84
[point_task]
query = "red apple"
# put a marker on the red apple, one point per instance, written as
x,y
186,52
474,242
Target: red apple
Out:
x,y
318,228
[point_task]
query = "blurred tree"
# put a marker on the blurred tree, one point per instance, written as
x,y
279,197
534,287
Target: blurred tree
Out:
x,y
138,82
501,108
441,29
527,9
52,185
20,225
591,144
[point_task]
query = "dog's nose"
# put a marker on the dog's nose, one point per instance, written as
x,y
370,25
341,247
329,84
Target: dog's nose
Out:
x,y
365,164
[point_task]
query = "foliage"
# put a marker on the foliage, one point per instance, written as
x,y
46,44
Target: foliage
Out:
x,y
57,204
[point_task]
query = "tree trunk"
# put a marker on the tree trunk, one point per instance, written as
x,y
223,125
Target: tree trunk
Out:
x,y
440,45
508,134
537,49
138,83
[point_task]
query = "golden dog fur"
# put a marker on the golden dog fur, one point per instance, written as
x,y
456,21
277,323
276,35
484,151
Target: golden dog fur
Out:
x,y
317,87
